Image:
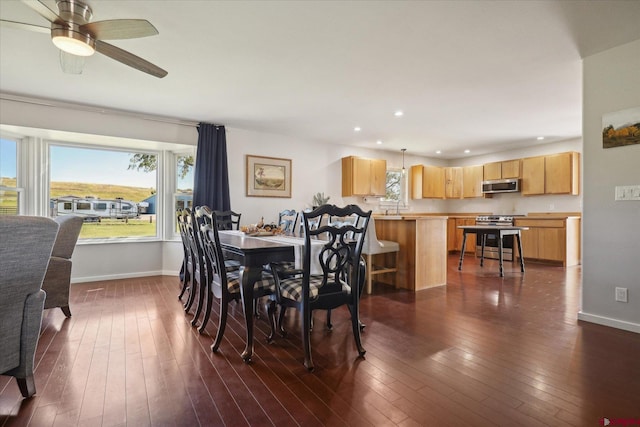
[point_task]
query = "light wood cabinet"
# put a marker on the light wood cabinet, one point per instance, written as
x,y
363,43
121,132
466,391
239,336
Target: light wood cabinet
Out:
x,y
533,176
492,171
511,169
433,182
555,240
363,177
453,183
427,182
562,174
455,235
502,170
552,174
472,181
422,259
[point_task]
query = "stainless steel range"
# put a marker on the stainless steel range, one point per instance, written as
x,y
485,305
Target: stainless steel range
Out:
x,y
491,244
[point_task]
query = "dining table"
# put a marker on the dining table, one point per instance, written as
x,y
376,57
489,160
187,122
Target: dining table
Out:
x,y
252,253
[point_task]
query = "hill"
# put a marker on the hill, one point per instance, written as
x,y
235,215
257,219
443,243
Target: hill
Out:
x,y
58,189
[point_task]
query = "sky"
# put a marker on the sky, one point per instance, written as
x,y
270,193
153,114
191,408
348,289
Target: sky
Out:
x,y
71,164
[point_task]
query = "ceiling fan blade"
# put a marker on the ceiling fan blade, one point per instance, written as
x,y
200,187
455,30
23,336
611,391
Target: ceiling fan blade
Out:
x,y
129,59
120,29
24,26
43,10
71,64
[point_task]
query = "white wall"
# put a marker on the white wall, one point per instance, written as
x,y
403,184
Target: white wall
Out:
x,y
611,230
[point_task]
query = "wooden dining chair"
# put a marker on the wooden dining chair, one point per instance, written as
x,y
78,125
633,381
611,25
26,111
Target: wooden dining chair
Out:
x,y
339,283
287,220
200,274
227,220
186,271
225,283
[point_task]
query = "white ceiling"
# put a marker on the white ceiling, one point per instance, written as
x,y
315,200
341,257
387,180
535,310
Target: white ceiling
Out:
x,y
479,75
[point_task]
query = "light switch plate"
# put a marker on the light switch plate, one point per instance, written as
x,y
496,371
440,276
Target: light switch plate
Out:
x,y
627,192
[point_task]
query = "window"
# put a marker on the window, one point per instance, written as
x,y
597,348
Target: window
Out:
x,y
396,188
108,187
183,196
11,194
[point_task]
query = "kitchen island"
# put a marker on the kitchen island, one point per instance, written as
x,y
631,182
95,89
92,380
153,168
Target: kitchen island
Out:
x,y
422,260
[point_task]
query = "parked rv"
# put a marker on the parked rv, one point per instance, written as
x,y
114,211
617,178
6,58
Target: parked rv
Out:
x,y
94,209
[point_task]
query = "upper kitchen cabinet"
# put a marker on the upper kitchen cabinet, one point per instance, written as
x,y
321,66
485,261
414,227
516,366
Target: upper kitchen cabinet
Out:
x,y
533,176
552,174
562,174
363,177
502,170
427,182
511,169
453,183
472,181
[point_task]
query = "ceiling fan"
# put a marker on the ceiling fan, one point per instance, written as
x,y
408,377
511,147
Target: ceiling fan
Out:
x,y
77,37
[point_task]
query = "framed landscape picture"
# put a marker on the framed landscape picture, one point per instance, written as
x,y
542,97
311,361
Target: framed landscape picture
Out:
x,y
621,128
268,177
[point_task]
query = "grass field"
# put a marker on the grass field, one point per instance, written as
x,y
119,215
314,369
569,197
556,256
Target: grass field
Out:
x,y
114,228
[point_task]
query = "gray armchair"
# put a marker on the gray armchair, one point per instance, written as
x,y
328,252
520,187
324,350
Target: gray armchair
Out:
x,y
58,278
25,249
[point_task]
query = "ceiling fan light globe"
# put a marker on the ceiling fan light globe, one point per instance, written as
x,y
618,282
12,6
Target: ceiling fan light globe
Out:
x,y
73,42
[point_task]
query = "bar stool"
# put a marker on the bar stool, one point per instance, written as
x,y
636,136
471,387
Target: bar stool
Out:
x,y
373,246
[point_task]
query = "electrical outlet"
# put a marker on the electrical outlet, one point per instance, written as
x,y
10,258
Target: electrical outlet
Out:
x,y
621,294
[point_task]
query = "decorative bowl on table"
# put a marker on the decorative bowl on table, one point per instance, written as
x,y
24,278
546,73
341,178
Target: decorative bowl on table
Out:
x,y
266,230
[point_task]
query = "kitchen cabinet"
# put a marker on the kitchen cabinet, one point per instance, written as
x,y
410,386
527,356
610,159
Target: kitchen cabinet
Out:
x,y
363,177
511,169
422,259
552,239
562,174
552,174
533,176
427,182
502,170
455,235
472,181
453,183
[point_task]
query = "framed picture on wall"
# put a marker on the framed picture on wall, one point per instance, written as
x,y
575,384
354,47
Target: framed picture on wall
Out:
x,y
268,176
621,128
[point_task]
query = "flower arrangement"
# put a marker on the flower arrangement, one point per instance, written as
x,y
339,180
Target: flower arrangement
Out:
x,y
319,199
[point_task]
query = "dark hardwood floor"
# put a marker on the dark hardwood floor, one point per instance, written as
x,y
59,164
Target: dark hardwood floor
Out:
x,y
483,351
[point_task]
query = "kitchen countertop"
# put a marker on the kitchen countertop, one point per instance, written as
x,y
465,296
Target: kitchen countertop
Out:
x,y
408,217
462,215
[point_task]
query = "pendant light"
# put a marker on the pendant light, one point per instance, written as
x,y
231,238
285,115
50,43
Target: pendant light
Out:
x,y
404,171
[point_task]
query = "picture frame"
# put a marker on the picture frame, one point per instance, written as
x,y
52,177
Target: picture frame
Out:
x,y
621,128
268,176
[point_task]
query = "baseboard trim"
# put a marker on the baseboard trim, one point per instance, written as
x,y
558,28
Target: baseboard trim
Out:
x,y
122,276
608,321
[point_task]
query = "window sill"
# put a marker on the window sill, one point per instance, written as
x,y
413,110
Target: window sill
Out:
x,y
119,240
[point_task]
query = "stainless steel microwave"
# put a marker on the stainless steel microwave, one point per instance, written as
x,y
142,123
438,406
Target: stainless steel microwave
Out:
x,y
510,185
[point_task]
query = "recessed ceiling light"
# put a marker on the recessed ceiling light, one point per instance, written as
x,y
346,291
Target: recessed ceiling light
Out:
x,y
379,142
439,151
357,129
467,151
540,138
398,113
